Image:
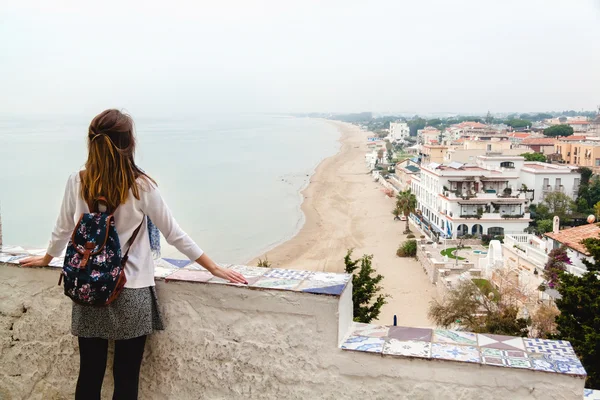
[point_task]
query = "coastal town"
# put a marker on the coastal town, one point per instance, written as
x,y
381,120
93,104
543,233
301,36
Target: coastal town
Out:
x,y
506,210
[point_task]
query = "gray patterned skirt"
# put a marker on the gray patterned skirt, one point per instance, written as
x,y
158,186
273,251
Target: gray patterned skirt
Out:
x,y
134,313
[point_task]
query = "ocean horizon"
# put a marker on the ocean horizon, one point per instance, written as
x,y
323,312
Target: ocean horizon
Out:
x,y
233,182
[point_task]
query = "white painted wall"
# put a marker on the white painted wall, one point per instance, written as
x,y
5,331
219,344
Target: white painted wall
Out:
x,y
225,342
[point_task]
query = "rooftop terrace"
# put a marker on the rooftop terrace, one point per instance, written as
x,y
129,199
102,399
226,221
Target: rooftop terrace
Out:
x,y
288,334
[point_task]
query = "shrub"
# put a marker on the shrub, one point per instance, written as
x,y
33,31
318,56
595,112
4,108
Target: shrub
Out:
x,y
264,263
410,236
407,249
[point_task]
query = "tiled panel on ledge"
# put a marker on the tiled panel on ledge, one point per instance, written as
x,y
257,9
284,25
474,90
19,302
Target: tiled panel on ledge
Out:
x,y
172,270
555,356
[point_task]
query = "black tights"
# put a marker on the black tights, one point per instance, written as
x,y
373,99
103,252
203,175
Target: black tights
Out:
x,y
93,353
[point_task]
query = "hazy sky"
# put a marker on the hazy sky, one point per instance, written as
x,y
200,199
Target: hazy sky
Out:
x,y
182,57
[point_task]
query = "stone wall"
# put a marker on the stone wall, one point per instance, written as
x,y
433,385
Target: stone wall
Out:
x,y
228,342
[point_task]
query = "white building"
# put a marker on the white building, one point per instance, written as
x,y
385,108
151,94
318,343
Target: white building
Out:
x,y
399,131
484,198
546,178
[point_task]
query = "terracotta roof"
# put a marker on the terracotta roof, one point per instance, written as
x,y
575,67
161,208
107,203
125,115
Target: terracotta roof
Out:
x,y
520,135
572,237
578,122
573,138
539,141
471,124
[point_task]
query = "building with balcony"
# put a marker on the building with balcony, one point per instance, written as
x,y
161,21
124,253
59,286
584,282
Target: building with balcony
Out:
x,y
428,135
398,131
544,178
459,199
489,197
583,153
467,150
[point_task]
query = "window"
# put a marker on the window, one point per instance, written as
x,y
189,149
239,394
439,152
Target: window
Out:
x,y
557,183
597,162
507,164
546,182
489,147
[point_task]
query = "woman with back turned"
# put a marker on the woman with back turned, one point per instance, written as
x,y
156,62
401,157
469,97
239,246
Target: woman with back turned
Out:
x,y
111,174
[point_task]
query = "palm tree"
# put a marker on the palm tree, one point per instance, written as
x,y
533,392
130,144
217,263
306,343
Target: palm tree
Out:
x,y
406,202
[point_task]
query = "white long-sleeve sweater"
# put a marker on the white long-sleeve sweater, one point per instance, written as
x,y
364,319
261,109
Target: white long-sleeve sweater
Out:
x,y
139,269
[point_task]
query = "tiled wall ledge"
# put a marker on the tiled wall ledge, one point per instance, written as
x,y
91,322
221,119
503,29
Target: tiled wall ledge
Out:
x,y
282,338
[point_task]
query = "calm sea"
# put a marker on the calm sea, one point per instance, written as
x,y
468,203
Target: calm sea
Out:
x,y
232,182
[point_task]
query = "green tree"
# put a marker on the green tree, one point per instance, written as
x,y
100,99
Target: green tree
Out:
x,y
586,174
415,124
488,118
365,288
558,130
534,157
579,319
406,202
396,213
582,205
517,123
559,204
543,226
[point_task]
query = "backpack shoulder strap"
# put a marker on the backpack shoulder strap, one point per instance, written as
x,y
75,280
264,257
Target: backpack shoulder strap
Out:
x,y
131,240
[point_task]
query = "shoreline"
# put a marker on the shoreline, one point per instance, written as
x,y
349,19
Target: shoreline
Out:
x,y
301,194
344,209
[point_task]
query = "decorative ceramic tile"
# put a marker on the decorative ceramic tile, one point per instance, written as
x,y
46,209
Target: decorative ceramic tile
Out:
x,y
276,283
335,290
162,272
500,342
360,329
309,284
250,280
505,358
445,351
363,343
249,271
288,274
562,364
408,348
177,263
454,337
189,276
330,278
589,394
549,346
406,333
15,259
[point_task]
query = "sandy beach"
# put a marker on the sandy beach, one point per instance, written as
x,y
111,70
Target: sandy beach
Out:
x,y
345,209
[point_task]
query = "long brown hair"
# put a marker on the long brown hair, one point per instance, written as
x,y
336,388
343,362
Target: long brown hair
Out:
x,y
110,170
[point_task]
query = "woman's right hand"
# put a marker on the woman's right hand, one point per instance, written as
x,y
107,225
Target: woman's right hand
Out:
x,y
230,275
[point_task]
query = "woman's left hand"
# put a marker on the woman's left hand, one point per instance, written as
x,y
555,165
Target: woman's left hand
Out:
x,y
35,261
230,275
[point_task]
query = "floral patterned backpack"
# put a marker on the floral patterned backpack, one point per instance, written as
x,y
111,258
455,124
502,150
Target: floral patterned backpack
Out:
x,y
94,270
